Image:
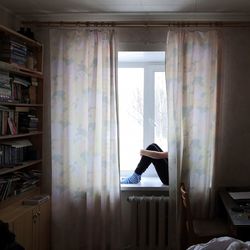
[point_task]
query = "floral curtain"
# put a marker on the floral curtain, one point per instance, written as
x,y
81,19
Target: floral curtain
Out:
x,y
192,81
85,172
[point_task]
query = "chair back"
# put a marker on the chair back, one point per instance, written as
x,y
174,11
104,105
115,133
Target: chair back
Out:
x,y
188,218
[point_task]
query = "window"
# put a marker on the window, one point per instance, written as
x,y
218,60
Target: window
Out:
x,y
142,106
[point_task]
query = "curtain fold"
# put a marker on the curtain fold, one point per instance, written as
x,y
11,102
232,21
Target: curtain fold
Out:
x,y
84,130
192,81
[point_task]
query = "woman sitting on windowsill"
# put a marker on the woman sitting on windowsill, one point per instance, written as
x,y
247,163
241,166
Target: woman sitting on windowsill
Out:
x,y
152,154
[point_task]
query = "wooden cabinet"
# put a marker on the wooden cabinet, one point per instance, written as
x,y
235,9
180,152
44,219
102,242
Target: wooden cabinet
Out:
x,y
44,226
30,224
22,226
21,139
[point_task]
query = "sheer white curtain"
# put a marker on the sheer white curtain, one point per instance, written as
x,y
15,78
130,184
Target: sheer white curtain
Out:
x,y
85,172
192,81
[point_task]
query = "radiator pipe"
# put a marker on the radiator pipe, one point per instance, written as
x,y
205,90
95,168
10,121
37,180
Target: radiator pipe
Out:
x,y
147,198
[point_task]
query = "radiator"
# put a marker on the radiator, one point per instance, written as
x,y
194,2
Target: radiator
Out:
x,y
149,222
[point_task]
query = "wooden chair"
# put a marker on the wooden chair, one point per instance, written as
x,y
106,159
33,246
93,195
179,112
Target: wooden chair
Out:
x,y
199,231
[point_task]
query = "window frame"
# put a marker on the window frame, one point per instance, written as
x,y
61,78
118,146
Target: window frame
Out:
x,y
148,134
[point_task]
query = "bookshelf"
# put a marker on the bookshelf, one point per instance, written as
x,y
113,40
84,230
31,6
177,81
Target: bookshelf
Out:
x,y
22,166
21,139
21,114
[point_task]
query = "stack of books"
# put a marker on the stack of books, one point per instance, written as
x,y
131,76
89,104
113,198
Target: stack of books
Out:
x,y
20,89
7,186
13,153
25,81
5,87
28,180
18,120
18,182
28,122
13,52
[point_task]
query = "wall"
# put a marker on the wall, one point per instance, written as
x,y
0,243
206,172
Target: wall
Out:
x,y
8,19
142,39
233,167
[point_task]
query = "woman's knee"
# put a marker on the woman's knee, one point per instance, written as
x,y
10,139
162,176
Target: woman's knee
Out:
x,y
153,146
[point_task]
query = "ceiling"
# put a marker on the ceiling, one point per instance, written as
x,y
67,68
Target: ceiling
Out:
x,y
42,9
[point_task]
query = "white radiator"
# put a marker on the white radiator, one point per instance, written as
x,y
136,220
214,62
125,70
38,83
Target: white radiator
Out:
x,y
149,222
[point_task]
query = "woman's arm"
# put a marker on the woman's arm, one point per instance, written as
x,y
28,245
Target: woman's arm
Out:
x,y
154,154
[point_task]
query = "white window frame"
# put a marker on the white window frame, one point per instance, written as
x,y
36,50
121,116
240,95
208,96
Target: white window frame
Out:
x,y
148,133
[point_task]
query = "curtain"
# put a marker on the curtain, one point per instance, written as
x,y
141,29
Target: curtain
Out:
x,y
192,81
84,135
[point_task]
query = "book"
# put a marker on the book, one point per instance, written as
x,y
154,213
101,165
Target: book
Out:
x,y
22,109
35,200
12,126
15,152
5,115
32,94
240,195
34,81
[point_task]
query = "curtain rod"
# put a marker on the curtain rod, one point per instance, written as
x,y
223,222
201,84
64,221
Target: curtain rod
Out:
x,y
138,24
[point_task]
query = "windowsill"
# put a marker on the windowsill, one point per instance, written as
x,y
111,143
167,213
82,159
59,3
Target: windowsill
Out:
x,y
146,184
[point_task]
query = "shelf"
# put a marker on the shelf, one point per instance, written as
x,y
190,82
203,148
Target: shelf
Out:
x,y
21,37
24,165
17,199
21,135
21,104
27,71
14,68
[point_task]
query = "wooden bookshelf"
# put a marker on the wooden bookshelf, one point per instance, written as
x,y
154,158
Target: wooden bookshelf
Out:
x,y
21,142
19,70
20,104
5,170
17,36
15,52
17,199
35,133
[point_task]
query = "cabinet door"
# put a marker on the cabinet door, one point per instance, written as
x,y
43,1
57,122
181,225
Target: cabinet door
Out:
x,y
35,233
23,229
44,226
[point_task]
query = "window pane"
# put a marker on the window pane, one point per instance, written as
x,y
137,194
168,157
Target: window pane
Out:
x,y
130,92
161,111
